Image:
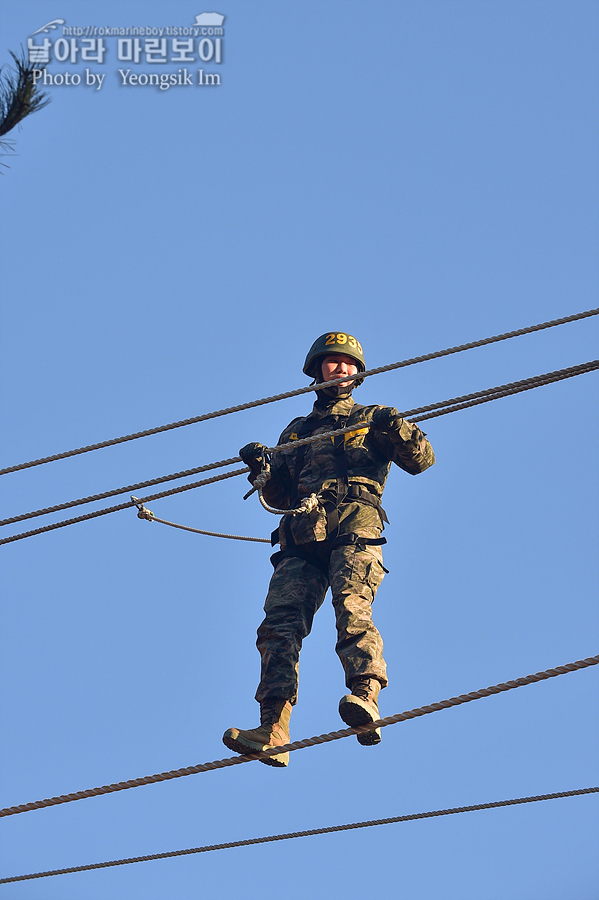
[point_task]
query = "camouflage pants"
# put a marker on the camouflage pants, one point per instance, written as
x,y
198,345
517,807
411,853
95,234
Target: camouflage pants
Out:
x,y
297,591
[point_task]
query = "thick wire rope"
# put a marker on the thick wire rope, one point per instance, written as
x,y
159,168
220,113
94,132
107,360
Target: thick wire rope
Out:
x,y
303,390
184,487
126,489
127,505
307,742
491,394
482,397
456,403
310,832
501,390
142,484
509,390
471,400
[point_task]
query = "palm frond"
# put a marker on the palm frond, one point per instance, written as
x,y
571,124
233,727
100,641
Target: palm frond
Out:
x,y
19,95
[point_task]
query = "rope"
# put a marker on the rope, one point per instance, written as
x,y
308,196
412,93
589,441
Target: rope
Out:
x,y
331,829
515,387
501,390
490,394
446,406
164,478
307,505
150,517
303,390
126,489
127,505
159,496
299,745
311,502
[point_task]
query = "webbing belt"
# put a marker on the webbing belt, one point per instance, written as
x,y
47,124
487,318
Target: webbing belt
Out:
x,y
306,551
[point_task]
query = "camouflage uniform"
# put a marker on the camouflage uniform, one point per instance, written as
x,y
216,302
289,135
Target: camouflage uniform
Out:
x,y
336,545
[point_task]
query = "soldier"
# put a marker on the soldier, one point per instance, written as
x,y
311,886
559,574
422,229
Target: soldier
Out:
x,y
336,545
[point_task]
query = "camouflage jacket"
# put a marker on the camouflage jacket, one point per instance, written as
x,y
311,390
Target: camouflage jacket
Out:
x,y
299,472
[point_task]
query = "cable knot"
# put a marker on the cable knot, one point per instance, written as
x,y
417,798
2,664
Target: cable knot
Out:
x,y
263,477
309,504
142,512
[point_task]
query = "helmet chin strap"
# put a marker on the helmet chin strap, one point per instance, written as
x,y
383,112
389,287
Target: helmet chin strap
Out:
x,y
336,391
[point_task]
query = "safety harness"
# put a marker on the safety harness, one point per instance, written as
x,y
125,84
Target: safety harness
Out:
x,y
331,498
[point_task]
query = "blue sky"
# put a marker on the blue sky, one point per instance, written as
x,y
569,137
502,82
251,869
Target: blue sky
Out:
x,y
419,174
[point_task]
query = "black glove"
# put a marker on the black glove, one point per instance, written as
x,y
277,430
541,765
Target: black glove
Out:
x,y
382,418
252,454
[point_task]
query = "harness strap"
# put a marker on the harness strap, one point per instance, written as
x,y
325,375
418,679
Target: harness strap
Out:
x,y
304,430
299,465
364,494
332,504
297,553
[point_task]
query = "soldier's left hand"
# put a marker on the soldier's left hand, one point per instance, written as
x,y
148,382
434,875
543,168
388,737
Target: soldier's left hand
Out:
x,y
385,418
252,454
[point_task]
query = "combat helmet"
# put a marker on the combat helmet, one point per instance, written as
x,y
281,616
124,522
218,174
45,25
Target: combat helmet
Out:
x,y
330,344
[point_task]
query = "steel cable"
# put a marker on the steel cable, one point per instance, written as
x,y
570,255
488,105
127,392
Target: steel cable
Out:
x,y
126,489
303,390
440,408
509,390
307,742
501,390
127,505
472,400
310,832
185,487
163,478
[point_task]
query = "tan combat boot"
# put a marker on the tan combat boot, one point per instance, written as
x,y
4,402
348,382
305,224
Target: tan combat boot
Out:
x,y
273,731
361,708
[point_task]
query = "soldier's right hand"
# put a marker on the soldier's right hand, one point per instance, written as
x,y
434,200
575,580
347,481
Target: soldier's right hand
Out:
x,y
252,454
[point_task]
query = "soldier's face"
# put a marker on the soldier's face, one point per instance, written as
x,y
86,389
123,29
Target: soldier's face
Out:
x,y
338,365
